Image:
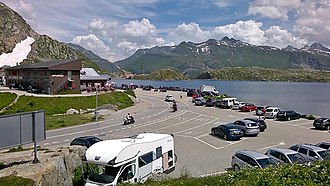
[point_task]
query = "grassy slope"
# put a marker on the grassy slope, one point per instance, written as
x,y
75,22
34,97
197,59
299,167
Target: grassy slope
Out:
x,y
58,105
6,98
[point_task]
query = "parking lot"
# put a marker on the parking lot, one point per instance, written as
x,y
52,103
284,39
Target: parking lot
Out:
x,y
200,153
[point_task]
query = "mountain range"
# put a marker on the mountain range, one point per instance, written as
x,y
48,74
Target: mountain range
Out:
x,y
192,58
188,58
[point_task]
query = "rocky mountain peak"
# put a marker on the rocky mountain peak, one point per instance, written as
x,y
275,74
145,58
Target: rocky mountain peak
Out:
x,y
319,46
13,29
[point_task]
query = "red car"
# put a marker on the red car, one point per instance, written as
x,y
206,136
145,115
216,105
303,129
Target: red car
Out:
x,y
248,108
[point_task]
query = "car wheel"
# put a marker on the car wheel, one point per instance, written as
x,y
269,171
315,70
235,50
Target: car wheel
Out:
x,y
225,137
213,133
328,127
289,118
243,132
236,168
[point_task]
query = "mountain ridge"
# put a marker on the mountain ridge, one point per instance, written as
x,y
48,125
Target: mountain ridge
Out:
x,y
190,58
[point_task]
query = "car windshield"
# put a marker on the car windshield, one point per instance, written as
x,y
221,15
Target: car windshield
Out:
x,y
269,110
322,153
297,158
266,162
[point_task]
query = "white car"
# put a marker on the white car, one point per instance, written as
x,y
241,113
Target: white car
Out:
x,y
238,105
169,98
271,112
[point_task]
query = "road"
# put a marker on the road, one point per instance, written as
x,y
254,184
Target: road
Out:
x,y
198,152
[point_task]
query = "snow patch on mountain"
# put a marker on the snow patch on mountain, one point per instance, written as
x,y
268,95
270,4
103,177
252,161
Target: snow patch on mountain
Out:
x,y
19,53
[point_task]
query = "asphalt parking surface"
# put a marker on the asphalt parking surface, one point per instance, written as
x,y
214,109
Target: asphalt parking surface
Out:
x,y
198,152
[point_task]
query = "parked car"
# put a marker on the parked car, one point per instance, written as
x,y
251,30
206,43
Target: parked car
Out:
x,y
199,101
238,105
227,102
322,123
86,141
288,156
260,122
260,111
210,102
324,144
227,131
310,150
248,107
169,98
250,159
271,112
248,127
287,115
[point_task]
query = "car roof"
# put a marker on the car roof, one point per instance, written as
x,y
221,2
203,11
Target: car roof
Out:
x,y
283,150
313,147
86,137
252,119
273,108
246,121
256,155
325,142
230,125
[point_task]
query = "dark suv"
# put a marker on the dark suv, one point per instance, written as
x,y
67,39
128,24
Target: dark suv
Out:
x,y
322,123
287,115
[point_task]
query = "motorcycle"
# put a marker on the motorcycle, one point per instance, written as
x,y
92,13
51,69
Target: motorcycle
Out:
x,y
175,108
129,120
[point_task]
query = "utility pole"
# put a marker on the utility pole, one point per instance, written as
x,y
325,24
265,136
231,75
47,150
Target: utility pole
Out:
x,y
96,111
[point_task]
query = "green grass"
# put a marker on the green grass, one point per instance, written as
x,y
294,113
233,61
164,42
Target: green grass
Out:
x,y
59,105
55,106
16,181
315,175
6,98
60,121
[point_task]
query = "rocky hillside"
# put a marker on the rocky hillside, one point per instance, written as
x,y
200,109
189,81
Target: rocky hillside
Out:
x,y
193,58
103,63
14,29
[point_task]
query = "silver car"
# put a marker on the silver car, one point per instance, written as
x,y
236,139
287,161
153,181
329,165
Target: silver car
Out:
x,y
310,150
250,159
248,127
288,156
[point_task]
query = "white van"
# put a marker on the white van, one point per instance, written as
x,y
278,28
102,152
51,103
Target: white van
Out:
x,y
129,160
271,112
227,102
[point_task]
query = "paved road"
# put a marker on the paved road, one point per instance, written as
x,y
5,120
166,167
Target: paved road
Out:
x,y
198,152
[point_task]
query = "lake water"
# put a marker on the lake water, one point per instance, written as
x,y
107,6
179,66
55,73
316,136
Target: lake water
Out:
x,y
305,98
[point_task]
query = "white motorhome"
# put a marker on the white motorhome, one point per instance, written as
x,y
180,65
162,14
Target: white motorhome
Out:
x,y
130,160
227,102
206,88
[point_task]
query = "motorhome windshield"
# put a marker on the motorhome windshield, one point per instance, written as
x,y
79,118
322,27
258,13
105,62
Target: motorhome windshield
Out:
x,y
103,174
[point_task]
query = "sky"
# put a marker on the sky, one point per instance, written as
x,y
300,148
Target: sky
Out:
x,y
115,29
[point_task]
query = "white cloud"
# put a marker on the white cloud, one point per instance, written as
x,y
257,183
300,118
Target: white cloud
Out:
x,y
91,42
125,39
188,32
248,31
281,38
274,9
313,21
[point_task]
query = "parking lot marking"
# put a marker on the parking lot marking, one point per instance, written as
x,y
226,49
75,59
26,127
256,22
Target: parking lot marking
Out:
x,y
195,127
232,116
185,136
67,140
230,144
205,143
303,124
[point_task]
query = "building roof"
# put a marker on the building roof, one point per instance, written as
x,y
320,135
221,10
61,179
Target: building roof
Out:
x,y
43,65
91,74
